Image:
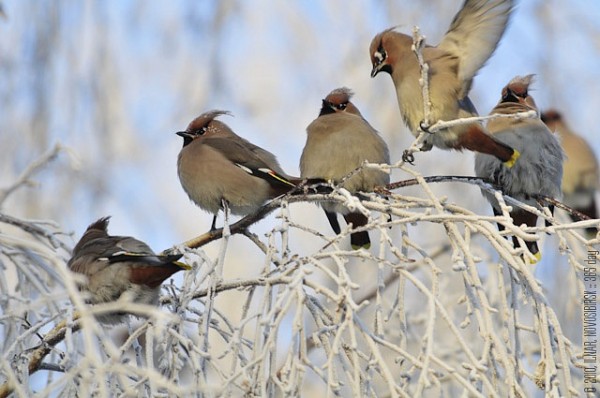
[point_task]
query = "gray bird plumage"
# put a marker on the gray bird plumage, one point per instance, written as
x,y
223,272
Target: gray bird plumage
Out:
x,y
217,165
581,177
118,265
539,169
339,141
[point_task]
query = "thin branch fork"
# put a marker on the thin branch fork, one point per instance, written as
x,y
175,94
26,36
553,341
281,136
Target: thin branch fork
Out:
x,y
50,340
25,177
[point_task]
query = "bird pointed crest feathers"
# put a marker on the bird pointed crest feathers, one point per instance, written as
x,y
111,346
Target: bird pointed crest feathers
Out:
x,y
339,96
518,86
517,90
339,101
100,224
204,119
97,229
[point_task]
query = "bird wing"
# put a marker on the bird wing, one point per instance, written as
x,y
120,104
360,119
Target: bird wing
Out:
x,y
475,32
113,249
125,248
250,158
242,152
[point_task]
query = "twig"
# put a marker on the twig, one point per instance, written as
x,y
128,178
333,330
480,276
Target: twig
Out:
x,y
441,124
38,354
25,177
423,130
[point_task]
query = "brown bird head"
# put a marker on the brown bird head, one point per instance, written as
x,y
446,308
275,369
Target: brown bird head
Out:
x,y
339,101
517,90
551,117
205,125
382,51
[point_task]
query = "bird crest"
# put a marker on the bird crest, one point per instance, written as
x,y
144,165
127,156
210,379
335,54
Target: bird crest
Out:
x,y
339,96
100,224
519,86
517,91
339,101
204,119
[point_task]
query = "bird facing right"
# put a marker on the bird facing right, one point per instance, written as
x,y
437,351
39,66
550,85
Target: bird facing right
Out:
x,y
338,141
538,171
581,177
469,42
116,266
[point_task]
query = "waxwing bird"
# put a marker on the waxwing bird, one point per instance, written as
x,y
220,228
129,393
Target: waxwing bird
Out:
x,y
118,265
218,168
338,141
581,176
538,171
467,45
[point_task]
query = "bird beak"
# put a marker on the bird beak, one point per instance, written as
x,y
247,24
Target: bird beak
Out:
x,y
327,104
381,66
377,68
185,134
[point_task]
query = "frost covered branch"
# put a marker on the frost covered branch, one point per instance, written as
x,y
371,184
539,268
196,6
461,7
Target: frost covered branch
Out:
x,y
381,340
24,178
423,131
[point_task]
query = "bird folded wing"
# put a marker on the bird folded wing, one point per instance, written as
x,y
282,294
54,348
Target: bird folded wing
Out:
x,y
267,174
243,152
141,257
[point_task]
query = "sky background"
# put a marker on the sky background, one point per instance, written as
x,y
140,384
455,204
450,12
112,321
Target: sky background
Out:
x,y
114,80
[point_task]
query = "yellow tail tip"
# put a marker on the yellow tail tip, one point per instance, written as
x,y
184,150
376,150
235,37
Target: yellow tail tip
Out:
x,y
513,159
537,257
182,265
358,247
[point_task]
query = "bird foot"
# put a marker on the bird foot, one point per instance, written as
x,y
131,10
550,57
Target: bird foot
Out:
x,y
424,126
408,157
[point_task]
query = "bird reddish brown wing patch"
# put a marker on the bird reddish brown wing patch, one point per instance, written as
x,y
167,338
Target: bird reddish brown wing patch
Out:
x,y
475,139
152,276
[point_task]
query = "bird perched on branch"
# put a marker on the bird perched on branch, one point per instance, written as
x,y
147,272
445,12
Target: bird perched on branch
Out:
x,y
469,42
339,141
539,170
581,177
116,266
218,168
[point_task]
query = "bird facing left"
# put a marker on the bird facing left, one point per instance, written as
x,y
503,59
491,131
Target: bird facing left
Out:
x,y
470,41
120,266
218,168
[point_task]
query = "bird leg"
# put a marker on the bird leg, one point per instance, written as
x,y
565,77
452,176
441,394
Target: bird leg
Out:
x,y
424,126
225,207
213,226
420,144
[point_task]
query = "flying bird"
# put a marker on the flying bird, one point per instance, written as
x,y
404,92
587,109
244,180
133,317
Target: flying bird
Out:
x,y
471,39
